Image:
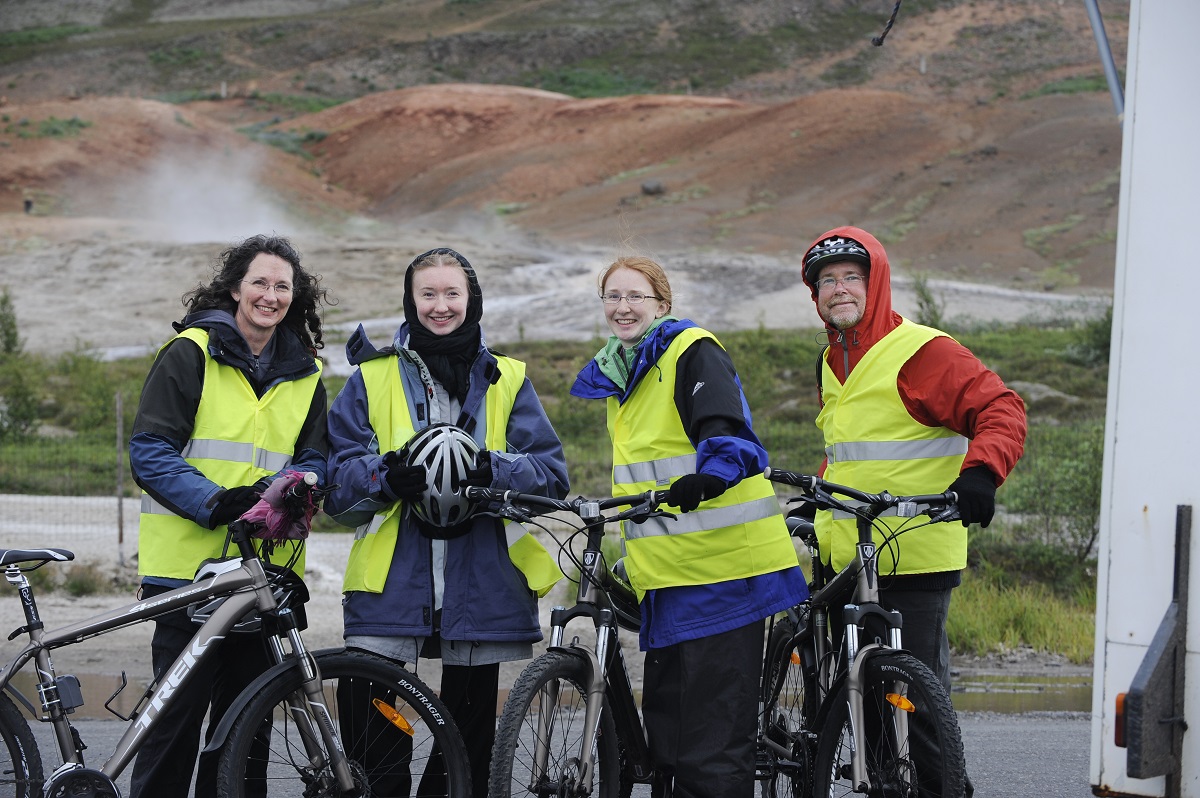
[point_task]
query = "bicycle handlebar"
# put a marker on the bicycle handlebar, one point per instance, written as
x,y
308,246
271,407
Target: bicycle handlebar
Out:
x,y
519,506
939,506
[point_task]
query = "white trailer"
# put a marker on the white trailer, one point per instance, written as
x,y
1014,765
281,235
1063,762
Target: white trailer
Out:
x,y
1144,648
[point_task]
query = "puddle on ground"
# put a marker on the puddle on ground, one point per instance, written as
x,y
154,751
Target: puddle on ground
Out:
x,y
1014,693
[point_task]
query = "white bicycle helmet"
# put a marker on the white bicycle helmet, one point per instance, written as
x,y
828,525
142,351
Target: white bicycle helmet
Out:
x,y
446,453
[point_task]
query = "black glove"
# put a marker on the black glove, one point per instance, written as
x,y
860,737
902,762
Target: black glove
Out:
x,y
976,489
232,503
481,475
690,489
406,482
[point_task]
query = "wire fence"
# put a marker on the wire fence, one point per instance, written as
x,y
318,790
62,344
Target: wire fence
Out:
x,y
63,489
99,524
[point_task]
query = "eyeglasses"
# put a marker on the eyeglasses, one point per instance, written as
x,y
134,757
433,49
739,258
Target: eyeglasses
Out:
x,y
612,298
849,281
280,289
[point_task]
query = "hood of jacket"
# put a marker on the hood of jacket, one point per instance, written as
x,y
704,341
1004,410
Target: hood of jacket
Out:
x,y
292,359
593,383
878,319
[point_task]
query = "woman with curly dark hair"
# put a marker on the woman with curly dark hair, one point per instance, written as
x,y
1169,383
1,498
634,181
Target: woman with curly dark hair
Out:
x,y
230,402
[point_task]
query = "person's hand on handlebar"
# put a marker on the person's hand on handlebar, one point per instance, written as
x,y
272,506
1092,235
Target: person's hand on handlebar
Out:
x,y
976,490
232,504
690,489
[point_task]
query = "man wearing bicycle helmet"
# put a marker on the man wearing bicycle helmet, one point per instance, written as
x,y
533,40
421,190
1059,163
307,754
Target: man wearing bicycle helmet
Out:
x,y
431,413
907,409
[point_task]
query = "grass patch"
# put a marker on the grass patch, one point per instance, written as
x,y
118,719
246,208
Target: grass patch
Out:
x,y
1038,238
176,57
295,103
584,82
290,141
1077,85
987,617
50,128
36,36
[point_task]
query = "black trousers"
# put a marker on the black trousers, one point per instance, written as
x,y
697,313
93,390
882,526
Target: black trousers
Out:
x,y
469,693
165,763
700,707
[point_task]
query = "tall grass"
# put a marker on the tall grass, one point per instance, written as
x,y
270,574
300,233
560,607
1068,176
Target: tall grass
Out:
x,y
986,616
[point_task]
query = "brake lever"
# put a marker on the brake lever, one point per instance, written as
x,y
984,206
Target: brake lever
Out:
x,y
639,515
948,514
514,513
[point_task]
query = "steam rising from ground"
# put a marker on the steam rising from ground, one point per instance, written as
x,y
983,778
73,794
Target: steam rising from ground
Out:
x,y
204,196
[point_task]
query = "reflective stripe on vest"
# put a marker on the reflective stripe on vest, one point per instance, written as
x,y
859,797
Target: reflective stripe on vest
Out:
x,y
739,534
390,417
237,439
874,444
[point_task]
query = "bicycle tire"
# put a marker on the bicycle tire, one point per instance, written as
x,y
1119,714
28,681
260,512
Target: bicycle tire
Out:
x,y
786,746
512,755
929,763
385,759
20,761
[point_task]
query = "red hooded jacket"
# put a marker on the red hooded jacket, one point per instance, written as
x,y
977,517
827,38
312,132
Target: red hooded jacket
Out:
x,y
943,384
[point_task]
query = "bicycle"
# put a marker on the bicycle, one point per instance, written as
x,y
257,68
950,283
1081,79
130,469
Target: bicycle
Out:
x,y
593,737
860,715
325,723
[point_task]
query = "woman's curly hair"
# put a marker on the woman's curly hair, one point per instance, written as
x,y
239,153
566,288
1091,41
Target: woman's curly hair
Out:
x,y
303,316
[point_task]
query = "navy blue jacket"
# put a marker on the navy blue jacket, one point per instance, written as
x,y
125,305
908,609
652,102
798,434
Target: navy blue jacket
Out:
x,y
484,596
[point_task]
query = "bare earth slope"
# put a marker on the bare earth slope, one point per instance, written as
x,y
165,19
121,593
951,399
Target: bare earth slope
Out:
x,y
540,189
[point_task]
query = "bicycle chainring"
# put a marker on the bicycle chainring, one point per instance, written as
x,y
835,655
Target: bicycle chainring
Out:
x,y
81,783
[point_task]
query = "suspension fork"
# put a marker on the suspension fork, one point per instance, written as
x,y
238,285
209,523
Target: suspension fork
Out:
x,y
854,695
322,744
549,695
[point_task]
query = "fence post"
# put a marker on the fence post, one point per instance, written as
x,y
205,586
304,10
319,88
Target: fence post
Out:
x,y
120,484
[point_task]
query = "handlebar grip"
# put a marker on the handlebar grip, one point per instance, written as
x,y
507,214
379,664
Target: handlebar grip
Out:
x,y
788,477
310,478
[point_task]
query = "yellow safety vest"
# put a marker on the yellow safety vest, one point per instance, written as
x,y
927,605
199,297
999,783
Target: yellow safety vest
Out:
x,y
237,439
739,534
873,444
389,416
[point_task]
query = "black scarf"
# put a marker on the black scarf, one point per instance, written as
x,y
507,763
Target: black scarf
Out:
x,y
448,357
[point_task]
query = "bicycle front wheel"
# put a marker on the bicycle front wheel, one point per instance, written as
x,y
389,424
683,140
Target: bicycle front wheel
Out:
x,y
545,711
786,743
20,762
928,761
397,735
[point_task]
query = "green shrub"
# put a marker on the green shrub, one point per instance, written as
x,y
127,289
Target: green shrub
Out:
x,y
1056,488
930,310
85,579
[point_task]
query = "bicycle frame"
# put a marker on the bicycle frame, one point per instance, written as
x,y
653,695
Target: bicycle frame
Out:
x,y
244,585
610,685
860,578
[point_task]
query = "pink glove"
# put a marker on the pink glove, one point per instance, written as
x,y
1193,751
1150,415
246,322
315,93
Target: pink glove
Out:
x,y
286,508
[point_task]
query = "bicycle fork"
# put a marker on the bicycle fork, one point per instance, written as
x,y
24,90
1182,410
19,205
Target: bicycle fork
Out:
x,y
322,744
898,708
591,721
